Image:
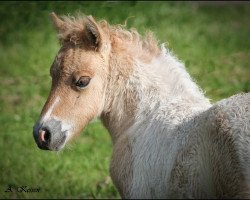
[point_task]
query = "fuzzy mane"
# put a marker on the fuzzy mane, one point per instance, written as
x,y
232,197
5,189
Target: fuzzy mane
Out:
x,y
122,39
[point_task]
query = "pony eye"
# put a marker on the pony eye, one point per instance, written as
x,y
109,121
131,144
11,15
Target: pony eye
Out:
x,y
82,82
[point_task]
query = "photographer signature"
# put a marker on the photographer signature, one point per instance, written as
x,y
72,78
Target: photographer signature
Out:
x,y
27,189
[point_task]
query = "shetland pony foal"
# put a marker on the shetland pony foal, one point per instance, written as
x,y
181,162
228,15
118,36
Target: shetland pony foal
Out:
x,y
168,140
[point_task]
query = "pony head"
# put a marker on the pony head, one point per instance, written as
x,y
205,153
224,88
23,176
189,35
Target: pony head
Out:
x,y
79,81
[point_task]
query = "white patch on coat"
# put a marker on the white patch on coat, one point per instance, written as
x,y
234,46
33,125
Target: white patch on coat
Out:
x,y
66,126
47,115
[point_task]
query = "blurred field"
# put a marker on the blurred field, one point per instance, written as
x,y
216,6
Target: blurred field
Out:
x,y
213,41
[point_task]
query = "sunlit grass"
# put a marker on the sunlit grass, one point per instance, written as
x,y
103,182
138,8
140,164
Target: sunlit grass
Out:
x,y
213,42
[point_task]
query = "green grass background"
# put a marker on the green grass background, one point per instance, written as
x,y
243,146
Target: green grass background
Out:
x,y
212,40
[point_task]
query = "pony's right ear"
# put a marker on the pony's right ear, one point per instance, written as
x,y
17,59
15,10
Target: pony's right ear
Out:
x,y
58,23
93,33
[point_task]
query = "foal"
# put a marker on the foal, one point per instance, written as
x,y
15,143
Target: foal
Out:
x,y
168,140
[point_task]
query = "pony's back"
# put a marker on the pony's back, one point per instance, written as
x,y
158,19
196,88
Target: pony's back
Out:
x,y
233,125
213,160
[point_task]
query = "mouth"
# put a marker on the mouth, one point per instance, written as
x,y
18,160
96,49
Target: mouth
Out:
x,y
52,144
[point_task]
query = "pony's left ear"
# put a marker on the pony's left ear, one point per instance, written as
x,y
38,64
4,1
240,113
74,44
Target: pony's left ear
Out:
x,y
93,33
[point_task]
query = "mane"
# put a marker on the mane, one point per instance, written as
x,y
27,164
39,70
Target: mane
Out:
x,y
122,39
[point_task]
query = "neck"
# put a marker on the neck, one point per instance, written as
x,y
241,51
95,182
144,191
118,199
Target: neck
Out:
x,y
138,89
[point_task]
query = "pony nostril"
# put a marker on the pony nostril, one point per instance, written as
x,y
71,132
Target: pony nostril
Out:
x,y
45,136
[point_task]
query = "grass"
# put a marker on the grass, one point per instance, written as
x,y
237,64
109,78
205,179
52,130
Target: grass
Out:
x,y
213,41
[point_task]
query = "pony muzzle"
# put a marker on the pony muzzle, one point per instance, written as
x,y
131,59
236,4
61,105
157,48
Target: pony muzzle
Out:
x,y
49,135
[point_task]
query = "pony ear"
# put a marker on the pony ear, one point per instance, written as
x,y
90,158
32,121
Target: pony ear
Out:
x,y
93,34
58,23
